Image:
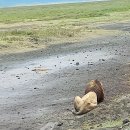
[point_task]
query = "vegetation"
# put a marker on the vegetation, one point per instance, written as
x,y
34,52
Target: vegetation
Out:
x,y
39,26
106,124
64,11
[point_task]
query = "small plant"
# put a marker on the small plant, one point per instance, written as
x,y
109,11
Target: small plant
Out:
x,y
107,124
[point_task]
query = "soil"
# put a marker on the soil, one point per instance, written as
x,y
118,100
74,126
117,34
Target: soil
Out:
x,y
37,88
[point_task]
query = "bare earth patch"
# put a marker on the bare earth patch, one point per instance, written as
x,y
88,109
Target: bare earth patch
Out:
x,y
35,101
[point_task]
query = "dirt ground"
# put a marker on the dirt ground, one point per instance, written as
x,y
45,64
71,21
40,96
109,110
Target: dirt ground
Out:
x,y
38,87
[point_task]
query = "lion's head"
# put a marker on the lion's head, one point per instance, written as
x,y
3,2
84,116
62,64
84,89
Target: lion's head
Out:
x,y
97,87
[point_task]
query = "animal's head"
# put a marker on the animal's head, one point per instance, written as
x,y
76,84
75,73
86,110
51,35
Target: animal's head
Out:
x,y
97,87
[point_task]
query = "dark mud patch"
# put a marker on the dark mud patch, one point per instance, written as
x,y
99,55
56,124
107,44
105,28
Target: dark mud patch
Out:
x,y
117,26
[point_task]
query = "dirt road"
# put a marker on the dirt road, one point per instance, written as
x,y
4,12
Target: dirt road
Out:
x,y
37,88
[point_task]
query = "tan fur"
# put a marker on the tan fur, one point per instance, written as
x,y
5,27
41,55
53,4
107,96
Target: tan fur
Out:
x,y
94,94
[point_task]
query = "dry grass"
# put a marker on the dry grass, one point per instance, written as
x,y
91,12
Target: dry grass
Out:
x,y
28,28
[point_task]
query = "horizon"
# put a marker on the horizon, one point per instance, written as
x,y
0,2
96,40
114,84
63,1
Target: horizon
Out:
x,y
20,3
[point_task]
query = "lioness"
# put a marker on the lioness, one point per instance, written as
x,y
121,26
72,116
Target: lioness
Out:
x,y
94,94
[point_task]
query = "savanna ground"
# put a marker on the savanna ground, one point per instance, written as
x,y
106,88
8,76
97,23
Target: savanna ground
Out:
x,y
96,36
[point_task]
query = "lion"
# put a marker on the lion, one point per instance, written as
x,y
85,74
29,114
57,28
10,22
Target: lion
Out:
x,y
94,94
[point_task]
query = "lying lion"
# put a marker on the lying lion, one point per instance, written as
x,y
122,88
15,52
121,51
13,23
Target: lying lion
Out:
x,y
94,94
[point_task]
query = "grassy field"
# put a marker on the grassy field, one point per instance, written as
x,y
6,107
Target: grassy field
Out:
x,y
64,11
23,28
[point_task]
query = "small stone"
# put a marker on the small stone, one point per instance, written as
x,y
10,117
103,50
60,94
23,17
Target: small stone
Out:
x,y
125,121
114,117
77,63
35,88
90,63
60,124
53,104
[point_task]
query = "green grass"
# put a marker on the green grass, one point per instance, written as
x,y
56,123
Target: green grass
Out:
x,y
63,11
39,26
106,124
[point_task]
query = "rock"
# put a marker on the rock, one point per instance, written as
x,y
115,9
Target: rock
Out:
x,y
18,112
114,117
103,59
77,63
36,88
60,124
90,63
125,121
